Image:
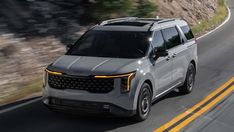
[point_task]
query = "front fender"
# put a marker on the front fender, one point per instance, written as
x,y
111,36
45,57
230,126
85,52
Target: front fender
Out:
x,y
143,79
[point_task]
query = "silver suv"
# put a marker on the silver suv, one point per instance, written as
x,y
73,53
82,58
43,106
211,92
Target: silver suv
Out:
x,y
121,66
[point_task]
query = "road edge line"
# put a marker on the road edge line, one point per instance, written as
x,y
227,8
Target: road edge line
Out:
x,y
19,105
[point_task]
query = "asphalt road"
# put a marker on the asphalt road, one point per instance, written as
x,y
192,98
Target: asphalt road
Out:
x,y
216,66
219,120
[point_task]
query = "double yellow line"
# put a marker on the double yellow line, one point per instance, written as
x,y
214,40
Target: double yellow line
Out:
x,y
182,120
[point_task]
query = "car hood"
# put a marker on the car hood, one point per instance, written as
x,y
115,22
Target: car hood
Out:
x,y
86,66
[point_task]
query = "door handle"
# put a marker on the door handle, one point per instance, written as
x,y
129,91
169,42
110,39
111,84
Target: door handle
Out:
x,y
168,58
174,55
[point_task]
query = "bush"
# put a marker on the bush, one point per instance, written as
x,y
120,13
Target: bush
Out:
x,y
105,9
143,8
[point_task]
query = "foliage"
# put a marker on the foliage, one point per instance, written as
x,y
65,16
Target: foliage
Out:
x,y
218,18
104,9
144,8
25,89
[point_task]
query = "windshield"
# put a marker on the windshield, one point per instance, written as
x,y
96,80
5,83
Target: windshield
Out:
x,y
114,44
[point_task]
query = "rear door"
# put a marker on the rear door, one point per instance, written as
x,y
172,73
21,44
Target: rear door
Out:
x,y
177,54
189,44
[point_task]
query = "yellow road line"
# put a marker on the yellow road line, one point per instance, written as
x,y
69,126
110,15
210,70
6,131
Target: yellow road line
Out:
x,y
203,110
189,111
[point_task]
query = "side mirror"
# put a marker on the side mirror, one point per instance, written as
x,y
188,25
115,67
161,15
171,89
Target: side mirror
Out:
x,y
69,46
160,52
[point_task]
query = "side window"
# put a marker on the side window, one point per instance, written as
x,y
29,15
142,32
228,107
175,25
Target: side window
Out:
x,y
172,37
187,32
158,40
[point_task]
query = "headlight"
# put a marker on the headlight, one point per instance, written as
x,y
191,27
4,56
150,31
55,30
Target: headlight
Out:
x,y
126,80
53,72
46,72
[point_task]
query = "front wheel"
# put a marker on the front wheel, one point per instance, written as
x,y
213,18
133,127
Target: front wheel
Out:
x,y
144,103
189,81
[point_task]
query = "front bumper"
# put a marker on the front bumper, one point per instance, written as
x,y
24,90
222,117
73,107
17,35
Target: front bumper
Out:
x,y
114,102
126,101
85,107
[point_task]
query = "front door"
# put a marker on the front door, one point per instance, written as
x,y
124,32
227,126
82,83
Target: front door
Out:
x,y
162,66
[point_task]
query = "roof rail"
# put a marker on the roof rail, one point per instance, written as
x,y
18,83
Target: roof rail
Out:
x,y
118,20
150,19
168,20
162,21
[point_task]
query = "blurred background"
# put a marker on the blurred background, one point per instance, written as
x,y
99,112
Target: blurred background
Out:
x,y
33,33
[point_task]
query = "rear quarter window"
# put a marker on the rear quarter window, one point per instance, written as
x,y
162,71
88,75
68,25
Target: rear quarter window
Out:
x,y
187,32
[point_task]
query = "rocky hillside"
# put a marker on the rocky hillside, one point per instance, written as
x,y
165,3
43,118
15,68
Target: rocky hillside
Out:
x,y
193,11
63,18
34,32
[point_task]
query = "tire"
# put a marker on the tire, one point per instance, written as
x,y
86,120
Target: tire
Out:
x,y
143,103
189,81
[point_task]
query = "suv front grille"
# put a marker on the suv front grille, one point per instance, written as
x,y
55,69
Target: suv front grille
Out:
x,y
92,85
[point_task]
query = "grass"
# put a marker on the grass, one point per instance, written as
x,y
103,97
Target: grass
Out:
x,y
218,18
24,90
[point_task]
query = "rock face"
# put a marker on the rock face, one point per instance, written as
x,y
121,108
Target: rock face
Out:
x,y
23,60
191,10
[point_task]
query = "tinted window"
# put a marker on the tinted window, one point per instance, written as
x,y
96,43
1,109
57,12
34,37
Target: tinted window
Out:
x,y
187,32
171,37
158,40
114,44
